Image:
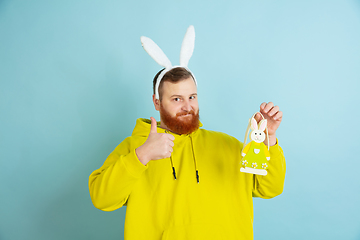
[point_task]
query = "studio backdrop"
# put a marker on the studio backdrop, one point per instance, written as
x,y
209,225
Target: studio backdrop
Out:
x,y
74,78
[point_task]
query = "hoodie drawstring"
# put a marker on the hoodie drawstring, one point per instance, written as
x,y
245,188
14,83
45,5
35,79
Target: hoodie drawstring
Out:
x,y
172,164
196,170
195,163
173,168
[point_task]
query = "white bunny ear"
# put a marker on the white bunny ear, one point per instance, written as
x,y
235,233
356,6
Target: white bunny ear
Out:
x,y
155,52
254,125
187,47
263,124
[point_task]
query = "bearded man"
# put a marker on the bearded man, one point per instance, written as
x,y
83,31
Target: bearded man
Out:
x,y
180,181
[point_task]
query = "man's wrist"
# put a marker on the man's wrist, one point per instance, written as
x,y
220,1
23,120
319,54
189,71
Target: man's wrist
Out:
x,y
272,140
141,156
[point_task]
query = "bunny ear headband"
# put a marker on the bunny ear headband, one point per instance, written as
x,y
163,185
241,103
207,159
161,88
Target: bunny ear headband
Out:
x,y
187,49
254,126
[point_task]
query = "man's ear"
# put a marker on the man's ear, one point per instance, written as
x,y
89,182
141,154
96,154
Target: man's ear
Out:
x,y
156,103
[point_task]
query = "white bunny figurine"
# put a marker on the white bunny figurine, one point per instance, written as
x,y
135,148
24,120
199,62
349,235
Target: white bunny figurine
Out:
x,y
255,154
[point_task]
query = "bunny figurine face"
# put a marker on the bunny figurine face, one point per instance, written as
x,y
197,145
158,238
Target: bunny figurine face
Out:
x,y
258,135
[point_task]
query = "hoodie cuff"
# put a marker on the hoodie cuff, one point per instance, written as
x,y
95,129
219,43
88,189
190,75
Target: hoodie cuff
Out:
x,y
133,164
275,150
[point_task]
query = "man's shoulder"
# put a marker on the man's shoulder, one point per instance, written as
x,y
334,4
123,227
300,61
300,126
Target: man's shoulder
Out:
x,y
131,142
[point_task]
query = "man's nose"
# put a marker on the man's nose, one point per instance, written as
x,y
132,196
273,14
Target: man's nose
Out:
x,y
186,106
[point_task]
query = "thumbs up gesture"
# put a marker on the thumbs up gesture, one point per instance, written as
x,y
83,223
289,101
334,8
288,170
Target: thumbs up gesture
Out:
x,y
157,145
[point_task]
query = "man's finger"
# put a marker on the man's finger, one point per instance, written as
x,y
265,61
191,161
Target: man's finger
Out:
x,y
262,106
258,117
273,111
171,137
153,125
278,116
267,107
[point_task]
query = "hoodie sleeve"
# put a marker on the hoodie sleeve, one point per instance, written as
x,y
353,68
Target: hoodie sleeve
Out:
x,y
110,185
272,184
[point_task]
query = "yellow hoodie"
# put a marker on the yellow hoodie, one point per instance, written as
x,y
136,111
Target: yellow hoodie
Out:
x,y
160,207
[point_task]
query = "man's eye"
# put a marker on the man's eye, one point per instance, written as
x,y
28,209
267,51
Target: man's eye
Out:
x,y
192,97
176,99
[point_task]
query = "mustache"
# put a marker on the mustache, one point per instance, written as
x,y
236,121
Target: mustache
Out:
x,y
191,112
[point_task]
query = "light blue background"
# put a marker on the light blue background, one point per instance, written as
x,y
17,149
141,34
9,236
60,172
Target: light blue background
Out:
x,y
74,77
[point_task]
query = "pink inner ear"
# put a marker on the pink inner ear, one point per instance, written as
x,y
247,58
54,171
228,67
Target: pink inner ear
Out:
x,y
263,124
254,124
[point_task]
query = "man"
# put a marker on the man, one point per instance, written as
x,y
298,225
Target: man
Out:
x,y
180,181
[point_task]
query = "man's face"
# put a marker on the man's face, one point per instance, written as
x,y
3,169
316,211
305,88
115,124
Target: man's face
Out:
x,y
179,109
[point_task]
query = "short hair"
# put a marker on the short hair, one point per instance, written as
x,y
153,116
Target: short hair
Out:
x,y
174,75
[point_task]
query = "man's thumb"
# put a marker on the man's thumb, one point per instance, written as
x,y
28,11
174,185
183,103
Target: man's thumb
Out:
x,y
153,125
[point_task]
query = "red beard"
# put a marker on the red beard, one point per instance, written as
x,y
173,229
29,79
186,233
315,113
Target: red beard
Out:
x,y
180,125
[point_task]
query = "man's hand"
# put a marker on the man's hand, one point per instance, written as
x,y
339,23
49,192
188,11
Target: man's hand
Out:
x,y
273,116
157,146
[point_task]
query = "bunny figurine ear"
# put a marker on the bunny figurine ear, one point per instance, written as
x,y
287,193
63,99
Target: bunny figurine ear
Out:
x,y
187,47
155,52
262,125
254,125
